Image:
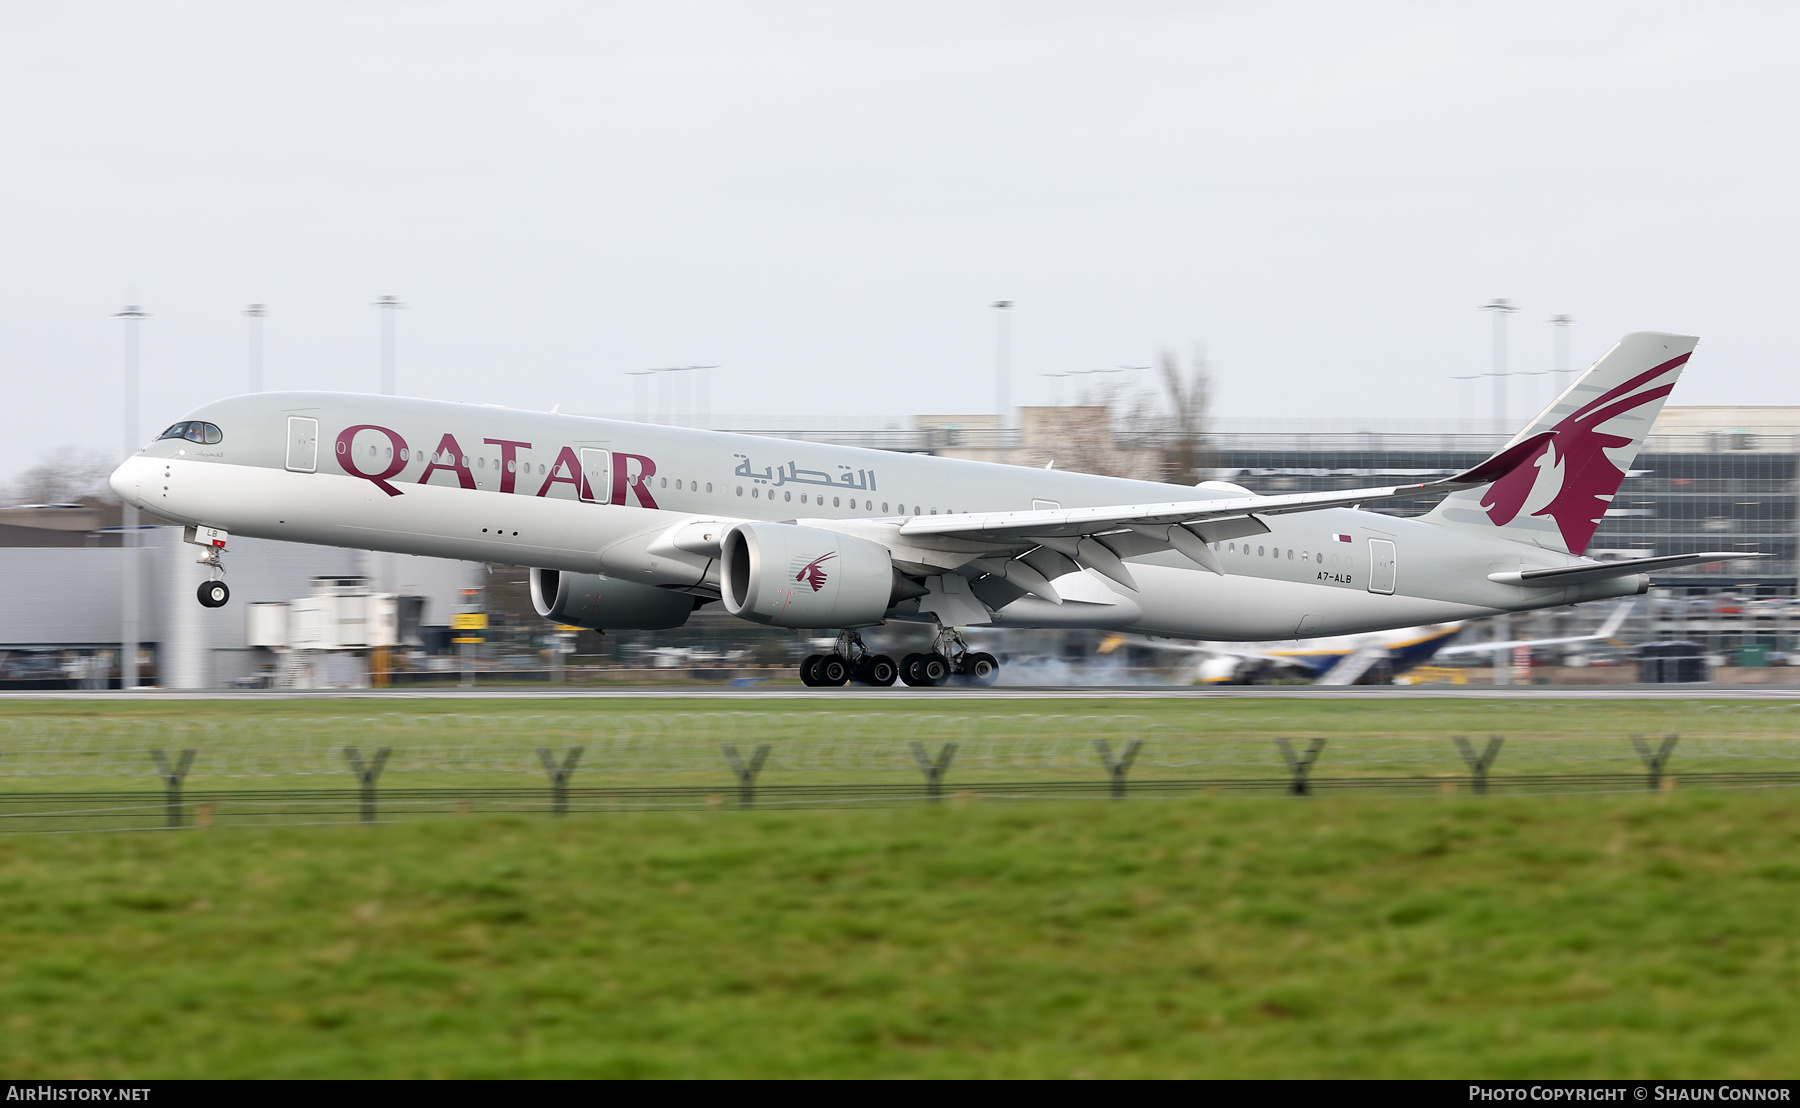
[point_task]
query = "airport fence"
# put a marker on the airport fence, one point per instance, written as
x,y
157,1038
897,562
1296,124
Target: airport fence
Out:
x,y
123,773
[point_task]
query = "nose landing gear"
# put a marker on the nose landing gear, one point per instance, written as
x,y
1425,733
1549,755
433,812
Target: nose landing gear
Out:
x,y
214,593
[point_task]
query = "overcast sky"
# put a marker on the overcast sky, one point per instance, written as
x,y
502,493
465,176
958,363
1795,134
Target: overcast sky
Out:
x,y
824,199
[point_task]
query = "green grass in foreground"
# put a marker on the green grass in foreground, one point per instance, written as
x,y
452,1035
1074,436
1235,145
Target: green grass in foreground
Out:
x,y
1641,935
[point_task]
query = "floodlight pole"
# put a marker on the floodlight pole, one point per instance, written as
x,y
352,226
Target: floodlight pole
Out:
x,y
1003,360
128,521
1560,364
640,394
255,313
379,566
1501,308
387,305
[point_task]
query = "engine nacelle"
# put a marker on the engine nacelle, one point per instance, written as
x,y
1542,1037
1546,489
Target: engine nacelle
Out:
x,y
605,603
792,576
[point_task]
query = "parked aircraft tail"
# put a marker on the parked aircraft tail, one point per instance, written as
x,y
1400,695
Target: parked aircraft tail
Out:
x,y
1556,497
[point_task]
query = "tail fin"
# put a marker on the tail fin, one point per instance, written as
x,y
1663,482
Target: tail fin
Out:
x,y
1555,498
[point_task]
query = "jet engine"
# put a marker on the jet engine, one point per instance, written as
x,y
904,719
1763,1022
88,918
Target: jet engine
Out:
x,y
794,576
605,603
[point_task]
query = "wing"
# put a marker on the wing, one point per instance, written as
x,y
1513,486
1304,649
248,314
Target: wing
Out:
x,y
1029,549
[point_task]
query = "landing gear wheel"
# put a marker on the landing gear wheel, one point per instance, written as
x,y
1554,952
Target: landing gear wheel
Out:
x,y
879,670
909,669
933,669
981,669
832,670
808,677
213,594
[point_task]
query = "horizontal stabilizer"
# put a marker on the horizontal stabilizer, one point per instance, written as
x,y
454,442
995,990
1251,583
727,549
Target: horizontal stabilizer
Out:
x,y
1607,631
1598,571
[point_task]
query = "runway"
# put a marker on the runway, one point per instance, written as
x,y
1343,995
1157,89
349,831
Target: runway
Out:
x,y
1007,693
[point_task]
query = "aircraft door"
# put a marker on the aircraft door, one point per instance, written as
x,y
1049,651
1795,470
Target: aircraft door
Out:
x,y
302,444
596,475
1383,566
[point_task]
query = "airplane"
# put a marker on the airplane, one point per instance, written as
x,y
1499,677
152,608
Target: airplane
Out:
x,y
627,526
1348,659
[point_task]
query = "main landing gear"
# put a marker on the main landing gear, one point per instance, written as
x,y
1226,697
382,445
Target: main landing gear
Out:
x,y
950,660
849,661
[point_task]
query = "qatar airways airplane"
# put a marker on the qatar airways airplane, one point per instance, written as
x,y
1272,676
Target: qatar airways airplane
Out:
x,y
628,526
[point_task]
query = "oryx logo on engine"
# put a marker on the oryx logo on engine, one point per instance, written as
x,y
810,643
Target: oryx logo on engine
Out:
x,y
813,572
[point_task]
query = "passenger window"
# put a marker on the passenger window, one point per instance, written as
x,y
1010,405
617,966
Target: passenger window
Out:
x,y
884,507
835,502
787,496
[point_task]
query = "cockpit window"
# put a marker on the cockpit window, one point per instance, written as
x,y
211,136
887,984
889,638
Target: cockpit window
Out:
x,y
194,431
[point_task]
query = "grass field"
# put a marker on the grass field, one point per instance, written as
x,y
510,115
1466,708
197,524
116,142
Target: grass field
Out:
x,y
1631,935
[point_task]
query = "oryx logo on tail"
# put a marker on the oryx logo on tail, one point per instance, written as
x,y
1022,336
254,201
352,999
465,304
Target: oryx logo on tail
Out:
x,y
813,572
1571,478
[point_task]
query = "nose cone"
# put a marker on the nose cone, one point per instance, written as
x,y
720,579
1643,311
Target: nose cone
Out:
x,y
125,481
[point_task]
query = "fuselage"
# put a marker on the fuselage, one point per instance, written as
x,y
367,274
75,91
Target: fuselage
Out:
x,y
586,495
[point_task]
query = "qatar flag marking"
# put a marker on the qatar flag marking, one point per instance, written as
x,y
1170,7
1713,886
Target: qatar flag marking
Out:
x,y
1341,538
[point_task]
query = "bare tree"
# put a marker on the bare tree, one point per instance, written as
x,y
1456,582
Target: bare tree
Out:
x,y
66,475
1156,433
1189,395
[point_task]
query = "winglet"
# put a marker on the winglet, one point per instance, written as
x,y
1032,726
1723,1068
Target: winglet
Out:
x,y
1499,465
